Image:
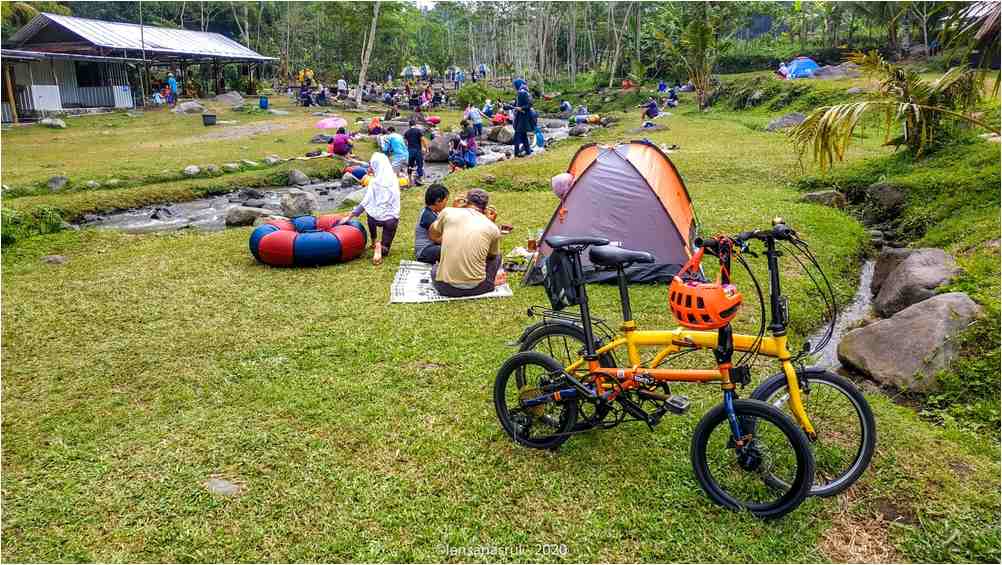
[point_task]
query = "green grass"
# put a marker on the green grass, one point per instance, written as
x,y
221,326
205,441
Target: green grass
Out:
x,y
360,430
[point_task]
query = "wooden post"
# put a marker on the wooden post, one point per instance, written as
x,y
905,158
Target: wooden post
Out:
x,y
8,83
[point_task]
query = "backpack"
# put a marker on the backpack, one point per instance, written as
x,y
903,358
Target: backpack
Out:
x,y
559,280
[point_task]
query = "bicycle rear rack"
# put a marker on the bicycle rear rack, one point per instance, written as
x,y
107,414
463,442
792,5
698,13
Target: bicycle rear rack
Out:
x,y
604,333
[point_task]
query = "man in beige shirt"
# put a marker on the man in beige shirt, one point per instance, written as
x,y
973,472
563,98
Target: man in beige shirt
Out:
x,y
471,251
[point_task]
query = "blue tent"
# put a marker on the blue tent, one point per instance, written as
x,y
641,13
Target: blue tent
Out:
x,y
801,67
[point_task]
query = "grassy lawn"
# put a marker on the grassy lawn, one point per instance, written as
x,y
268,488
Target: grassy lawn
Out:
x,y
359,430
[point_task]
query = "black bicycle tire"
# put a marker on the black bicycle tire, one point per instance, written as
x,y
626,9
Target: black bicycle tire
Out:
x,y
500,406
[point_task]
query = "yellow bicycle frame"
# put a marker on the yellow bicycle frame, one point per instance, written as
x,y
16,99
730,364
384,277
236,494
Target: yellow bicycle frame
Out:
x,y
679,339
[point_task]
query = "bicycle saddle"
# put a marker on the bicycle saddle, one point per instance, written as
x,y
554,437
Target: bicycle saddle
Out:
x,y
560,241
612,256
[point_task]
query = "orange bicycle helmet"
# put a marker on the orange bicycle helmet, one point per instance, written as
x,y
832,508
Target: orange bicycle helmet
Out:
x,y
701,305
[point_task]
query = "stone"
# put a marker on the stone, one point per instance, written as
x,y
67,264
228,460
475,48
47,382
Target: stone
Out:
x,y
212,169
355,197
68,226
249,163
915,279
887,197
552,123
247,193
854,90
438,148
192,171
113,182
244,215
231,167
262,220
272,160
57,183
831,198
54,259
348,180
298,202
162,213
54,123
189,107
579,130
298,178
255,203
787,121
222,487
92,184
277,112
90,218
490,179
321,138
501,134
909,348
231,98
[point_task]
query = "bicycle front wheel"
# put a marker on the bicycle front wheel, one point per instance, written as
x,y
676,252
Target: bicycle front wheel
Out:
x,y
739,473
842,419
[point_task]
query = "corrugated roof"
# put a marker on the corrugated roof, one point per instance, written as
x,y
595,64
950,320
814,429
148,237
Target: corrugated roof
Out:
x,y
114,35
43,55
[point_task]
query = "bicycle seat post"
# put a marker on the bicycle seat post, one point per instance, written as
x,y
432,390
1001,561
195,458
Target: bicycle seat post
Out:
x,y
624,296
579,281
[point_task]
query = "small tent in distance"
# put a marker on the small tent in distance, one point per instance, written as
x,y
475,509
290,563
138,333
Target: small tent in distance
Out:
x,y
633,195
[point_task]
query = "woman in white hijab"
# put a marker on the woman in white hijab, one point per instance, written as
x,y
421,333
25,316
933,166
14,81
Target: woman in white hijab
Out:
x,y
381,205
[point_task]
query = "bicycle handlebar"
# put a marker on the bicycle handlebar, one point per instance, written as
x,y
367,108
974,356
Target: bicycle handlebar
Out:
x,y
779,231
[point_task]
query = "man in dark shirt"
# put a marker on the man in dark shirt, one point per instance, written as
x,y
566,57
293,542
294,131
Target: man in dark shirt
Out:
x,y
414,137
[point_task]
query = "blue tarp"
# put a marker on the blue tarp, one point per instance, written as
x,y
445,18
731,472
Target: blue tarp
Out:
x,y
801,67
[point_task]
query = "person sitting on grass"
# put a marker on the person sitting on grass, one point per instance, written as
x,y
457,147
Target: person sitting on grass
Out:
x,y
471,249
565,107
435,200
651,110
375,126
341,143
381,205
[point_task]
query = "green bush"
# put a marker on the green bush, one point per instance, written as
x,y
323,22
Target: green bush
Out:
x,y
18,225
475,93
758,56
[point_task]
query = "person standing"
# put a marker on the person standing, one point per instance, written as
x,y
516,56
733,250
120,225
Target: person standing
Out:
x,y
172,92
414,136
524,122
342,88
476,118
381,205
471,249
395,148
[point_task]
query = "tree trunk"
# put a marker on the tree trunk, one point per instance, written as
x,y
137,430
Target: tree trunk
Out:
x,y
617,39
367,53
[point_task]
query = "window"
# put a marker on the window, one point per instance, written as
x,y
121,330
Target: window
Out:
x,y
89,74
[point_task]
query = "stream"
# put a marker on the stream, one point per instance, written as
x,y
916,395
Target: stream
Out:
x,y
210,213
855,311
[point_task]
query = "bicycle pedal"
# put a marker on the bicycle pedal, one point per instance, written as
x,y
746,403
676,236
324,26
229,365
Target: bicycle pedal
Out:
x,y
678,404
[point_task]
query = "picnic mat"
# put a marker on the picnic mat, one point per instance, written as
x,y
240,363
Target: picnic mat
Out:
x,y
413,284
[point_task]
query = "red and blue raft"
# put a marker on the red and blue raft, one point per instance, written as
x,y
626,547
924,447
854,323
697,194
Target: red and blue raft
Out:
x,y
308,241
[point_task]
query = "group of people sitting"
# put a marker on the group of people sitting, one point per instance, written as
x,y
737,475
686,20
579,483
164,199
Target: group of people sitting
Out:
x,y
463,241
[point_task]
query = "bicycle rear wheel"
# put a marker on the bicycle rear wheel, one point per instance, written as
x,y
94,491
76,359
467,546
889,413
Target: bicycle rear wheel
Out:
x,y
737,472
525,376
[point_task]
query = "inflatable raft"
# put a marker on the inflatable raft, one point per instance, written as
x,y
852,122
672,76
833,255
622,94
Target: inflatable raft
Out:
x,y
307,241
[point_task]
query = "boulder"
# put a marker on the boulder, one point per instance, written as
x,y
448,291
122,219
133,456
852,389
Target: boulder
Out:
x,y
298,178
831,198
57,183
244,215
909,348
231,167
490,179
787,121
552,123
249,163
887,261
886,198
438,148
501,134
348,180
272,160
113,182
298,202
54,123
249,193
189,107
256,203
162,213
914,280
854,90
191,171
54,259
579,130
212,169
355,197
277,112
231,98
92,184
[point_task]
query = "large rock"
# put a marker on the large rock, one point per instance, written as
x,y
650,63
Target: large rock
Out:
x,y
231,167
298,202
54,123
914,280
787,121
249,163
832,198
579,130
908,349
501,134
244,215
191,171
854,90
552,123
57,183
348,180
298,178
272,160
883,201
189,107
438,148
887,261
92,184
355,197
231,98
